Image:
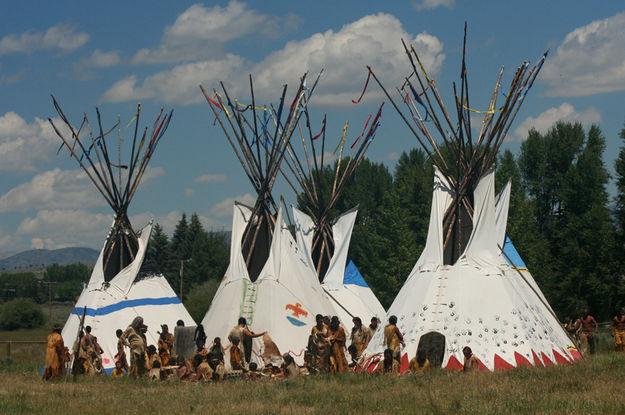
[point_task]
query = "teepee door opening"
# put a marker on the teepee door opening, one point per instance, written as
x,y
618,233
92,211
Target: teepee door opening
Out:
x,y
433,343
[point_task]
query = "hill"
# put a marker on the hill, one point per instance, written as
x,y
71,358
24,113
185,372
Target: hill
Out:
x,y
45,257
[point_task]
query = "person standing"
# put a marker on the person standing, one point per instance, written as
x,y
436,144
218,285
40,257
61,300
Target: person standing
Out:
x,y
133,339
393,338
55,355
165,344
241,332
121,352
337,337
618,331
573,326
389,365
588,333
359,337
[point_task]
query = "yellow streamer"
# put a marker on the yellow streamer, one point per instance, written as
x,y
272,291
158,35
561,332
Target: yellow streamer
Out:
x,y
249,106
342,137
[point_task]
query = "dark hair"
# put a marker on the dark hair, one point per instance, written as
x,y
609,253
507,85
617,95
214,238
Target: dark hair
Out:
x,y
156,364
197,359
352,349
217,340
118,332
242,320
392,319
388,364
318,317
180,323
357,320
152,348
253,366
467,349
88,329
288,359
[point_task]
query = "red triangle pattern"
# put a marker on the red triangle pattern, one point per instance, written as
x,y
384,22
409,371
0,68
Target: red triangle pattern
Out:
x,y
561,360
576,354
537,361
454,364
521,360
501,364
481,366
405,363
546,359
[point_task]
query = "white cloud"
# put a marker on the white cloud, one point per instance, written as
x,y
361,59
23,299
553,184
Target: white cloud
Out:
x,y
224,208
210,178
433,4
565,112
62,36
589,61
179,85
23,144
100,59
373,40
59,189
59,228
188,192
201,32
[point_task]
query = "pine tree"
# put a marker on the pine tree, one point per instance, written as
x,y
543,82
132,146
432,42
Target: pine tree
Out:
x,y
158,248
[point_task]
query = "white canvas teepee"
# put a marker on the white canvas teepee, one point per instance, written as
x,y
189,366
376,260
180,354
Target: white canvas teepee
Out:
x,y
113,305
481,301
282,301
349,292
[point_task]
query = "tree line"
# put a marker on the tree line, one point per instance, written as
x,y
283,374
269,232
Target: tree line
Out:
x,y
562,220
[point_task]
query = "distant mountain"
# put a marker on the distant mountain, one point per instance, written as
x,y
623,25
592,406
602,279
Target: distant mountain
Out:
x,y
45,257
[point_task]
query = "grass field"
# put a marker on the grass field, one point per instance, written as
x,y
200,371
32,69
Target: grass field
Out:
x,y
591,386
594,386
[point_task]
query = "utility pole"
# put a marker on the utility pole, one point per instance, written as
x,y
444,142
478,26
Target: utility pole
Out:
x,y
182,261
49,297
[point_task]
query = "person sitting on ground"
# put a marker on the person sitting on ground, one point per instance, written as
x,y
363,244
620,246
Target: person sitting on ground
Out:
x,y
253,373
354,366
388,365
118,371
471,363
55,355
236,360
359,336
617,330
203,371
121,351
215,358
155,372
245,336
179,323
289,367
393,338
165,344
152,357
419,365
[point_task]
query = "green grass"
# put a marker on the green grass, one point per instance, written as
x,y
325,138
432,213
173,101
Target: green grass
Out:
x,y
590,386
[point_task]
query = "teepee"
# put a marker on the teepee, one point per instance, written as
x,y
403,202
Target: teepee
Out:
x,y
124,283
321,235
462,290
268,280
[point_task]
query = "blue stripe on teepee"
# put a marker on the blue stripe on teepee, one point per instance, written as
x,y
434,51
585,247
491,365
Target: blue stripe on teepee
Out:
x,y
352,275
92,312
512,256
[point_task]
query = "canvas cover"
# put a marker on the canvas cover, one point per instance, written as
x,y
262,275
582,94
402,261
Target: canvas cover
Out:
x,y
283,301
114,305
347,289
483,301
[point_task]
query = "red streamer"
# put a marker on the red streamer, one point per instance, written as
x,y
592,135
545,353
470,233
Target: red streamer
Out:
x,y
365,88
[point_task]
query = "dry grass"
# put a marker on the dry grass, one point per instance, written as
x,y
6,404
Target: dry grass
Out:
x,y
592,386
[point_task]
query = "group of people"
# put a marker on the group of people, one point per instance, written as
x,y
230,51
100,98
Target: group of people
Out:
x,y
326,353
583,330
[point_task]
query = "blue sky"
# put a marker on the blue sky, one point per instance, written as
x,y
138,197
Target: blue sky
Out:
x,y
116,54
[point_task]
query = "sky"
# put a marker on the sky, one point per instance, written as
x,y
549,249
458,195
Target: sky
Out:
x,y
114,55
